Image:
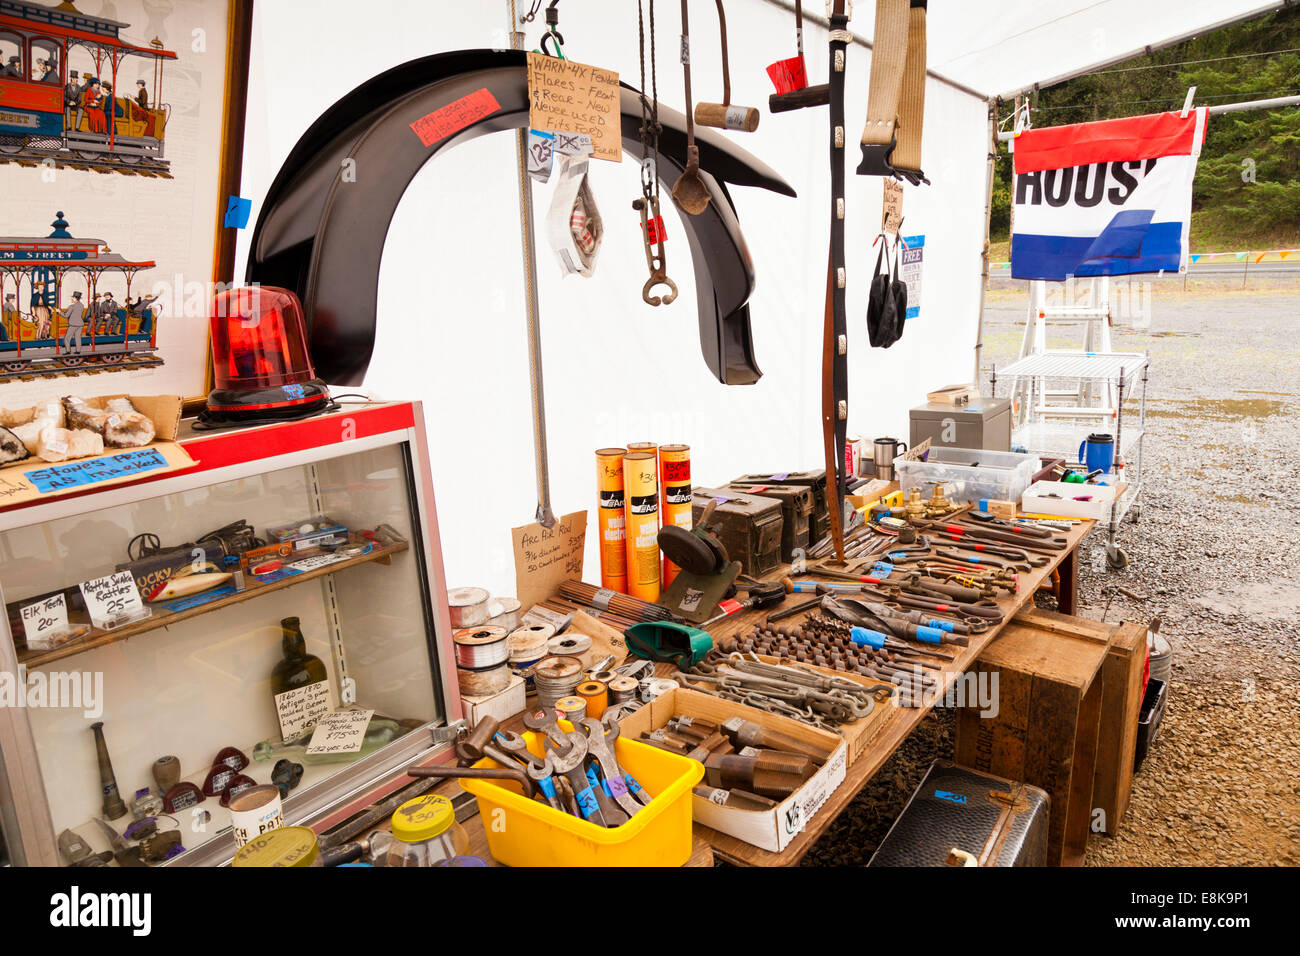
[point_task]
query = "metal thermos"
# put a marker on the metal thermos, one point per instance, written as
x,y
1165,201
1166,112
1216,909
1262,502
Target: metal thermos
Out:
x,y
885,451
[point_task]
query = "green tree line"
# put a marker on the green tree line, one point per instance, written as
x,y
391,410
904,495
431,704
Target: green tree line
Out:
x,y
1247,189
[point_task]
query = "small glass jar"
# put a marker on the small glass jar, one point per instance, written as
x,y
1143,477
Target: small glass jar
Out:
x,y
284,846
425,831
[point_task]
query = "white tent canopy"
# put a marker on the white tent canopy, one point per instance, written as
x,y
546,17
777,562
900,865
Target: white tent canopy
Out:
x,y
451,299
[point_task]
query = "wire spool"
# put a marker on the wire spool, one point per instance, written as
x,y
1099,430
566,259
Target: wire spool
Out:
x,y
603,676
555,678
504,612
596,694
572,708
530,643
573,645
480,647
468,606
622,689
483,682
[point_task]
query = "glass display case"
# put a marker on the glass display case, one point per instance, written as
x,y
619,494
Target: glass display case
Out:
x,y
236,646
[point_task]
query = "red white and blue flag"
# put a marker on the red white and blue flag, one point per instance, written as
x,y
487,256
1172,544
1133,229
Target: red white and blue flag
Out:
x,y
1107,198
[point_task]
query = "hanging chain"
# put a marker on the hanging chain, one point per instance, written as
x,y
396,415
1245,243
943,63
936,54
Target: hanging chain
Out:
x,y
650,128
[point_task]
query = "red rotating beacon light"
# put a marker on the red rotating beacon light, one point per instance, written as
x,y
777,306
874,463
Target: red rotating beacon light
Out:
x,y
261,365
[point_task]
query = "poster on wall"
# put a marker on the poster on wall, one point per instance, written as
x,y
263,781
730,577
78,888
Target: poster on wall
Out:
x,y
1106,198
116,167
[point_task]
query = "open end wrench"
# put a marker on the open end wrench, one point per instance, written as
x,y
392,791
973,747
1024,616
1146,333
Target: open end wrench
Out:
x,y
568,764
539,769
543,721
601,747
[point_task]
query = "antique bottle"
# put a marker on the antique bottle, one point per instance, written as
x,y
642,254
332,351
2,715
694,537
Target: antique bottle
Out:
x,y
297,670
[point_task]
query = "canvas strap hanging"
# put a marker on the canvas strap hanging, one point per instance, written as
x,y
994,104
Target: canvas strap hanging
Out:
x,y
891,139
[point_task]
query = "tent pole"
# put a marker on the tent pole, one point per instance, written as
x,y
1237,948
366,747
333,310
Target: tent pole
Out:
x,y
1277,102
984,254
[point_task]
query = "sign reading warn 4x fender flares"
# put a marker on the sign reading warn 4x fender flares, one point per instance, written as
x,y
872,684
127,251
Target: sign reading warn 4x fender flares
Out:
x,y
1107,198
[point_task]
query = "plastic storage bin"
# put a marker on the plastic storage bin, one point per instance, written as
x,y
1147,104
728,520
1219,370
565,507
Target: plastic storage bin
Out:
x,y
969,474
530,833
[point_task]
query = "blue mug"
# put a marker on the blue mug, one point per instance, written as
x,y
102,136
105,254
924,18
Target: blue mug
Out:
x,y
1097,451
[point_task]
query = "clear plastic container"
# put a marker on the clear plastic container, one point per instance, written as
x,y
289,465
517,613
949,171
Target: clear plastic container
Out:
x,y
425,832
969,474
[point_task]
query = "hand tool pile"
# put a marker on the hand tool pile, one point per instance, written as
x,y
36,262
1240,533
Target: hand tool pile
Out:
x,y
579,773
789,689
907,672
746,766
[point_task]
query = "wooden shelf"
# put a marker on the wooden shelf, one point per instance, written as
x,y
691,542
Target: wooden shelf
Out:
x,y
161,617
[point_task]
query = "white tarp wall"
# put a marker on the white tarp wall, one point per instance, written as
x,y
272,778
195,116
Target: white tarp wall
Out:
x,y
452,327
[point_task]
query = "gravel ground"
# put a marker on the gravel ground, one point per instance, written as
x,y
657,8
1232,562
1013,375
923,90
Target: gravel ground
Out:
x,y
1214,553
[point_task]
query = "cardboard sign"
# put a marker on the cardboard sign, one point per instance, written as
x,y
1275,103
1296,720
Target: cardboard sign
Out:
x,y
91,471
109,599
566,96
299,709
891,206
545,559
45,618
340,732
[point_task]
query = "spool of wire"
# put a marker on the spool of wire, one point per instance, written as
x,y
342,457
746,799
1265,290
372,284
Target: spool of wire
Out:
x,y
571,644
622,689
504,612
480,647
657,687
596,695
573,709
555,678
468,606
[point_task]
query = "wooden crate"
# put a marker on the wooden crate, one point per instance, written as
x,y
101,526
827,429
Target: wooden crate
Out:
x,y
1045,730
1121,701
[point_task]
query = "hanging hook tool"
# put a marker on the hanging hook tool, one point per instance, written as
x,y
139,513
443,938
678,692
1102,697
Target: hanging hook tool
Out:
x,y
652,235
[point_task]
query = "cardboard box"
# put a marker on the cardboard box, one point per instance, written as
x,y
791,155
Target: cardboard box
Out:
x,y
767,829
32,479
502,705
858,734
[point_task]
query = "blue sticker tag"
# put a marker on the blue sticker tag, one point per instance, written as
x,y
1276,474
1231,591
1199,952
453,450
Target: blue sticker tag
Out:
x,y
882,569
631,783
896,555
94,470
548,787
940,625
238,211
587,802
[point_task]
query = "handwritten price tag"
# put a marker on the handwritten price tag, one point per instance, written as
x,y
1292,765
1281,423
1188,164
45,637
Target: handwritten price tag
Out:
x,y
547,557
340,732
300,708
45,619
94,470
112,598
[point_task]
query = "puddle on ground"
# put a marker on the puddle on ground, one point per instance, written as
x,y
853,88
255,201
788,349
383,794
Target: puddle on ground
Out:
x,y
1223,408
1256,391
1274,600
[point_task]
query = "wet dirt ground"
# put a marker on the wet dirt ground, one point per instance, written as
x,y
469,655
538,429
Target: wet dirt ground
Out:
x,y
1214,553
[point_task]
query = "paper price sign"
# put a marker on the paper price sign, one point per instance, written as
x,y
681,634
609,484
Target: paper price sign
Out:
x,y
112,598
46,617
340,732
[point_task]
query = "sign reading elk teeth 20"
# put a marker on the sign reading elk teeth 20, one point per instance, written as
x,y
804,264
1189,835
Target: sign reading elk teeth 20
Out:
x,y
1107,198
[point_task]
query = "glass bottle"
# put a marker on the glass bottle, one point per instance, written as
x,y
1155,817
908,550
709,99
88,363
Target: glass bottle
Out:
x,y
298,668
425,831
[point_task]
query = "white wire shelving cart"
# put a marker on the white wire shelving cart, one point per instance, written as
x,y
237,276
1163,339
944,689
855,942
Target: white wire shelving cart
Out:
x,y
1054,429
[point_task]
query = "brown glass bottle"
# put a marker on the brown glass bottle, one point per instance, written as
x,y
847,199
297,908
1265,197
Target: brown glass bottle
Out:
x,y
298,668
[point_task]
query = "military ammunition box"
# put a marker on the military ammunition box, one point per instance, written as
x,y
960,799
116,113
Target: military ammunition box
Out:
x,y
820,525
796,512
749,527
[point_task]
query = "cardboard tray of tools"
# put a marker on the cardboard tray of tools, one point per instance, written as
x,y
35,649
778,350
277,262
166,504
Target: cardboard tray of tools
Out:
x,y
767,829
749,527
33,479
820,525
796,513
859,734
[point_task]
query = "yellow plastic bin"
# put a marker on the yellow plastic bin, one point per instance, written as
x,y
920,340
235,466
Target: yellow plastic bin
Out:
x,y
523,832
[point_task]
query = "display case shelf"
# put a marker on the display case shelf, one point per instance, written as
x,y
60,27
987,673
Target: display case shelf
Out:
x,y
161,617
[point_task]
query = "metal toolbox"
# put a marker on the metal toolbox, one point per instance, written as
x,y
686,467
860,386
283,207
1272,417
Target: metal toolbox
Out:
x,y
962,817
796,512
749,527
820,525
983,423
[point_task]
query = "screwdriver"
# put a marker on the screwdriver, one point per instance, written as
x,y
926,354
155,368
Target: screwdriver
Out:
x,y
765,594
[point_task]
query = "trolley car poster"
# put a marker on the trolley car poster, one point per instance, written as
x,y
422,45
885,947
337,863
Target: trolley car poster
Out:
x,y
1106,198
111,116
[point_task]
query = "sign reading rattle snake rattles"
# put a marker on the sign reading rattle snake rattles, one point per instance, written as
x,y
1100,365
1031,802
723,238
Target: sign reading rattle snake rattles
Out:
x,y
112,598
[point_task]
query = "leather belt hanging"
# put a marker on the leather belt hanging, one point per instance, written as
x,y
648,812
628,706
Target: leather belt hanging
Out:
x,y
835,344
891,140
